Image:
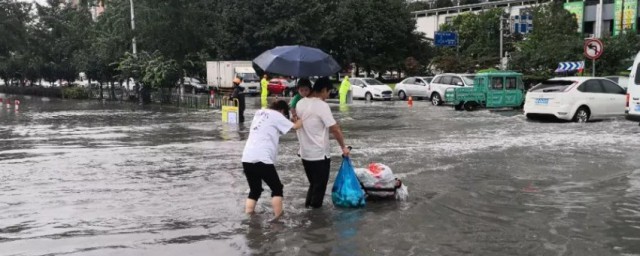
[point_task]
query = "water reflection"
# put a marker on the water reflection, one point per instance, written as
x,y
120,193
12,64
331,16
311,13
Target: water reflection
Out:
x,y
233,132
347,222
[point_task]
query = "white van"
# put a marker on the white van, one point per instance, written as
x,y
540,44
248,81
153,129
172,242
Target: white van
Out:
x,y
633,91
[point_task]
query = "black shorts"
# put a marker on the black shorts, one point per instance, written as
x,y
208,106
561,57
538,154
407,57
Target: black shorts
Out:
x,y
258,172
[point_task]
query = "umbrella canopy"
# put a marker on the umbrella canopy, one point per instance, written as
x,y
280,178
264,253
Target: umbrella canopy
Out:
x,y
298,61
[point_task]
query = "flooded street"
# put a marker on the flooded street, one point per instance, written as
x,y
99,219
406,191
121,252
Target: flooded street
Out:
x,y
92,178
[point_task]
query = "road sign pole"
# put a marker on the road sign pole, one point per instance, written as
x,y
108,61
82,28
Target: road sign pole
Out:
x,y
500,56
593,48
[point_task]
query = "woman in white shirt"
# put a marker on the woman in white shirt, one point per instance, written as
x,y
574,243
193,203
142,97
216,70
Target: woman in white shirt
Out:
x,y
259,156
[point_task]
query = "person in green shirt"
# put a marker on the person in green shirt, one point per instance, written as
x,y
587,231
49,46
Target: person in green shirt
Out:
x,y
264,91
304,88
344,89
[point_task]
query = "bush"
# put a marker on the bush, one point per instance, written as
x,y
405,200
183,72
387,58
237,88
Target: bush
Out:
x,y
75,93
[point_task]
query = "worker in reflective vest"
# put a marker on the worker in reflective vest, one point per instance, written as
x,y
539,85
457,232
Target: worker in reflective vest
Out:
x,y
264,91
345,86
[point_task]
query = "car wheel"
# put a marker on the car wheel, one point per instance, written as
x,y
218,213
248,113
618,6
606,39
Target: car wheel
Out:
x,y
368,96
470,106
582,115
436,100
402,95
459,107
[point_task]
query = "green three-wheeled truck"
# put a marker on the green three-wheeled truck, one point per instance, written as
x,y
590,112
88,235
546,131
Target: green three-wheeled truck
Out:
x,y
494,89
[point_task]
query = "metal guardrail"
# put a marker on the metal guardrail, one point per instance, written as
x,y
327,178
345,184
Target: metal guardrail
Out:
x,y
187,100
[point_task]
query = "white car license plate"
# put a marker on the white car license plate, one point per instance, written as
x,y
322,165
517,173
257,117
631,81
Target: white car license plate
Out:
x,y
542,101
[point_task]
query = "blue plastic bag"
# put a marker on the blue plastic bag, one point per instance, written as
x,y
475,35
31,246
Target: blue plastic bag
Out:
x,y
346,190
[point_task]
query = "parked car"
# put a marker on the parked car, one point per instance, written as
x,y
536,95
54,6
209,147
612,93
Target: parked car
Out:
x,y
414,87
195,85
277,86
442,82
579,99
369,89
497,89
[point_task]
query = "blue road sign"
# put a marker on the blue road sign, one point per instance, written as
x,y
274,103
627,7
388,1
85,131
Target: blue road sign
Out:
x,y
446,39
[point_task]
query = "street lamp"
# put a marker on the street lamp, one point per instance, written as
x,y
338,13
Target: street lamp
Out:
x,y
133,28
504,18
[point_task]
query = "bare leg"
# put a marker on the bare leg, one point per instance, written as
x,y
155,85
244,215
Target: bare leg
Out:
x,y
250,206
276,203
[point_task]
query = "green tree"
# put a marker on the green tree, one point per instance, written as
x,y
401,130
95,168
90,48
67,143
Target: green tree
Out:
x,y
374,34
554,39
418,6
618,54
110,40
62,30
14,20
478,42
153,70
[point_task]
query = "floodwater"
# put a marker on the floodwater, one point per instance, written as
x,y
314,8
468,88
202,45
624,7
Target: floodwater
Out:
x,y
92,178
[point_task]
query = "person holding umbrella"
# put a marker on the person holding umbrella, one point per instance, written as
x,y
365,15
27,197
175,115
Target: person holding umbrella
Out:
x,y
238,94
315,150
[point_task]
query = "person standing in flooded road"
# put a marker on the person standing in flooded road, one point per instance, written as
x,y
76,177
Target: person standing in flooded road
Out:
x,y
238,93
259,155
315,149
264,90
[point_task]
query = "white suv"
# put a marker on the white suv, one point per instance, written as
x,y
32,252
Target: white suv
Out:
x,y
442,82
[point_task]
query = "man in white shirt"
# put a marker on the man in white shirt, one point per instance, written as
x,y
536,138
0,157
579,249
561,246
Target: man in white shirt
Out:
x,y
315,150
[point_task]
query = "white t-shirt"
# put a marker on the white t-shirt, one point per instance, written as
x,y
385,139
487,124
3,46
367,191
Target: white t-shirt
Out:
x,y
266,128
314,135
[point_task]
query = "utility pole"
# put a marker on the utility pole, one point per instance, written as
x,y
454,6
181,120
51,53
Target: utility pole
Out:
x,y
501,35
133,28
621,18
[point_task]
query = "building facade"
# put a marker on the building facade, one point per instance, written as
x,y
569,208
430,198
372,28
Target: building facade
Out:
x,y
594,18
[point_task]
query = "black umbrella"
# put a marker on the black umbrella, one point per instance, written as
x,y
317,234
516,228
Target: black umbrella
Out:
x,y
298,61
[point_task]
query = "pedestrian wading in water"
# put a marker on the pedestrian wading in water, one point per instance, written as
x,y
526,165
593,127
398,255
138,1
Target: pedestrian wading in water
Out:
x,y
315,150
238,93
259,156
